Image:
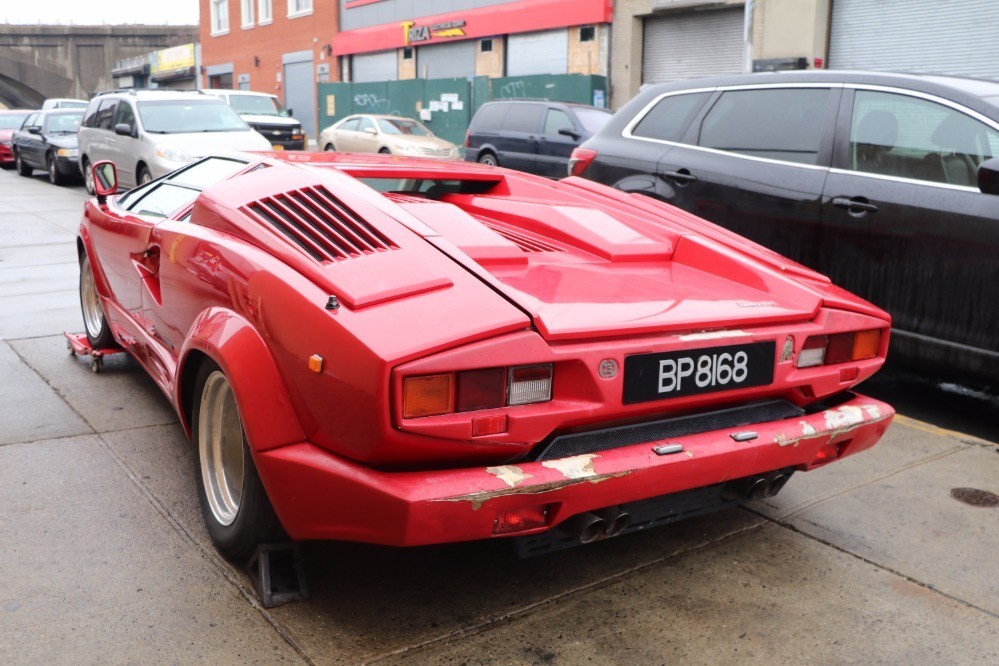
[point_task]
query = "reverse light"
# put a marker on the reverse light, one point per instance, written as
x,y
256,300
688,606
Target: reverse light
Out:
x,y
521,520
429,395
580,160
530,383
839,348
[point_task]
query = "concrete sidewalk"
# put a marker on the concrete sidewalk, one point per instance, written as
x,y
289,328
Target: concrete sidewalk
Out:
x,y
104,557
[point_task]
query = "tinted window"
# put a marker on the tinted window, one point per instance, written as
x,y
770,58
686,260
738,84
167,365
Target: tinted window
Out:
x,y
90,116
670,116
105,113
125,115
780,124
349,125
898,135
556,120
491,116
63,123
524,118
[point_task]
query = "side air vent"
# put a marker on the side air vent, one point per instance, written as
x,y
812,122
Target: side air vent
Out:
x,y
524,242
320,224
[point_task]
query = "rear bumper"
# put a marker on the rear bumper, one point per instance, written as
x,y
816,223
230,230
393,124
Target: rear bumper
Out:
x,y
319,495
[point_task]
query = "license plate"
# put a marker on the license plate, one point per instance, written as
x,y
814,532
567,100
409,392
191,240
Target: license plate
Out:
x,y
663,375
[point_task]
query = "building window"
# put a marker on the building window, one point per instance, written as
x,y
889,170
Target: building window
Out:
x,y
407,53
265,9
486,45
220,16
587,33
247,13
299,8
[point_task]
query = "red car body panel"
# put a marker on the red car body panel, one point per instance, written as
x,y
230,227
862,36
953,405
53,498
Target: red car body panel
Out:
x,y
6,135
506,270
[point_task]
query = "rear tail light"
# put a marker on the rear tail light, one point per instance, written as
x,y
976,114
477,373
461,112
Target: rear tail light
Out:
x,y
839,348
468,138
521,520
580,160
433,395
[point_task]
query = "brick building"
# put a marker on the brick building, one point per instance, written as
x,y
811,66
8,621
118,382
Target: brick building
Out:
x,y
276,46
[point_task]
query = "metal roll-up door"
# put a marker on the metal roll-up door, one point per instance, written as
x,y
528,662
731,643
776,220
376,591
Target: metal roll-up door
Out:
x,y
446,61
684,46
382,66
956,38
538,53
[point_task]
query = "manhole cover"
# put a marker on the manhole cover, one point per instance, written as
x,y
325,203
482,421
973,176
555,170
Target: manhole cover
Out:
x,y
975,497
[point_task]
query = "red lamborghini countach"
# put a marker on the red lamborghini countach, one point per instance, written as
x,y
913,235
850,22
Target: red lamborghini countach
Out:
x,y
402,352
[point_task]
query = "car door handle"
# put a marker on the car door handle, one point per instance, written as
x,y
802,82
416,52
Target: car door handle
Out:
x,y
681,176
531,139
855,205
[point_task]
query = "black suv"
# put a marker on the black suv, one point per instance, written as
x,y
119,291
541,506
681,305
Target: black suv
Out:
x,y
873,179
533,136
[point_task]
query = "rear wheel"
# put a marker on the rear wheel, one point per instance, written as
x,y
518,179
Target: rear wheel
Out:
x,y
488,159
329,148
22,168
235,507
88,177
98,332
385,151
55,176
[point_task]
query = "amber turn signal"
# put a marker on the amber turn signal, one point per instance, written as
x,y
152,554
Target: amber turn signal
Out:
x,y
427,395
865,344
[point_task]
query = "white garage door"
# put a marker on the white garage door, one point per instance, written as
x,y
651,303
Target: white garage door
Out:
x,y
684,46
538,53
955,37
383,66
446,61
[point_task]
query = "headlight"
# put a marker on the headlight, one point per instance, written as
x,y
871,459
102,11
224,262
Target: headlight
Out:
x,y
172,154
68,152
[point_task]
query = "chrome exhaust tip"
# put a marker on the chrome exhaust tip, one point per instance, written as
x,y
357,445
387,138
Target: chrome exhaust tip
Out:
x,y
587,527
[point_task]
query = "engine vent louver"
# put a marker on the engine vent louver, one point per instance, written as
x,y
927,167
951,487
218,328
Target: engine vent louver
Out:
x,y
524,242
319,223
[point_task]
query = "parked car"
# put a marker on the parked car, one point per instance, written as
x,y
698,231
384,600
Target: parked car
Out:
x,y
404,351
392,135
64,103
871,178
149,133
533,136
47,140
10,121
266,114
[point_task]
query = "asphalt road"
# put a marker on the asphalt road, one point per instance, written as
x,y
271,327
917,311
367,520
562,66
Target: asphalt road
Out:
x,y
104,557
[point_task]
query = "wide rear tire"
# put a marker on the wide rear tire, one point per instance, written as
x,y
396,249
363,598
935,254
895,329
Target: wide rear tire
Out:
x,y
234,504
94,322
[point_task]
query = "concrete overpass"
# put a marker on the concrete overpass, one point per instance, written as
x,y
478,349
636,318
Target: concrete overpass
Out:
x,y
40,61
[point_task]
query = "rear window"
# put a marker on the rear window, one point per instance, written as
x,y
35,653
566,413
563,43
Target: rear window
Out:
x,y
670,116
490,116
524,117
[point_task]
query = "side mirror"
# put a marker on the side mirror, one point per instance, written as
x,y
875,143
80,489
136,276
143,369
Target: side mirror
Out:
x,y
568,131
288,112
35,129
988,176
369,130
123,128
105,180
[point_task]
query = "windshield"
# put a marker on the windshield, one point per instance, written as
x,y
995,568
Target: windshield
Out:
x,y
257,105
63,123
179,189
182,116
402,126
592,120
12,120
71,104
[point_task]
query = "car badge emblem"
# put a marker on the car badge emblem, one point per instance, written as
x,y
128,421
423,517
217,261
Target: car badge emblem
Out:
x,y
607,368
276,132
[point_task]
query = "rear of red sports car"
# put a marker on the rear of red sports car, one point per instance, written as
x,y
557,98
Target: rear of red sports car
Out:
x,y
426,353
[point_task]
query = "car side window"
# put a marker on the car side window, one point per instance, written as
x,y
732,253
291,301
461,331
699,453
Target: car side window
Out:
x,y
364,124
90,115
30,121
899,135
670,116
523,118
773,123
556,120
491,116
349,125
105,113
125,114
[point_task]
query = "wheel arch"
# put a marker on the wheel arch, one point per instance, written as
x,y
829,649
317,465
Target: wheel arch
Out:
x,y
231,342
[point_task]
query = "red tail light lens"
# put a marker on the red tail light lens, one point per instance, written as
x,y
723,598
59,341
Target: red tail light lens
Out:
x,y
580,160
481,389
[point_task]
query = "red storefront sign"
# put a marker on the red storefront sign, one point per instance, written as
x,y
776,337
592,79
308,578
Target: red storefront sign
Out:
x,y
511,17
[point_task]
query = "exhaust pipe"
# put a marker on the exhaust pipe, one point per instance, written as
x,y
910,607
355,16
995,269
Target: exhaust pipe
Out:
x,y
587,527
617,521
758,489
776,484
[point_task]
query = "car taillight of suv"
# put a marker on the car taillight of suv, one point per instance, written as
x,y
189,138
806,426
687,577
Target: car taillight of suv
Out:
x,y
580,160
